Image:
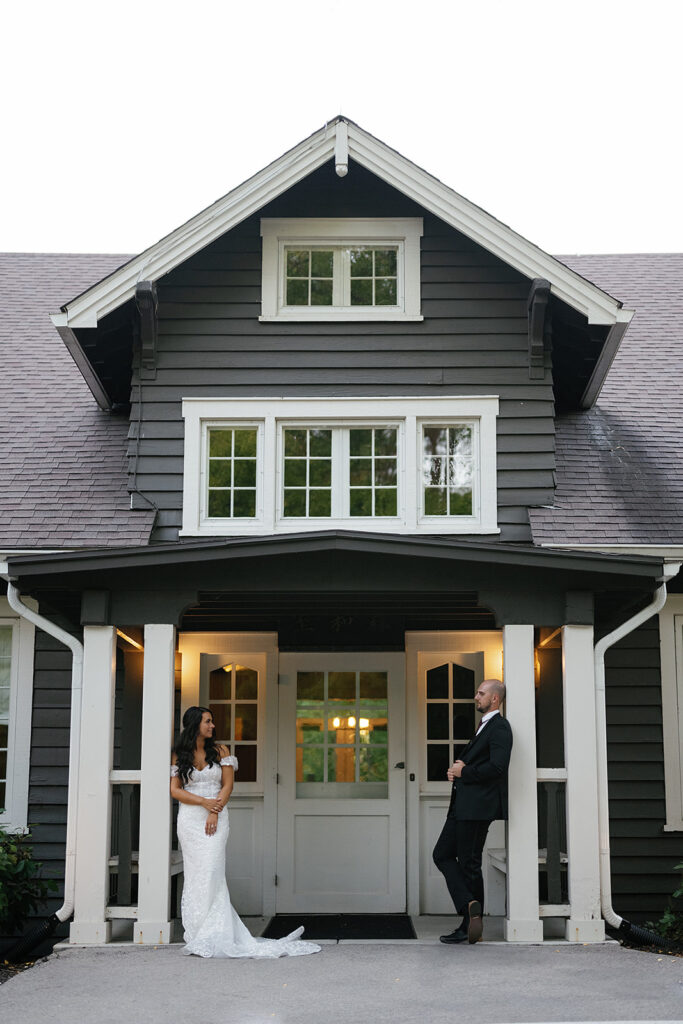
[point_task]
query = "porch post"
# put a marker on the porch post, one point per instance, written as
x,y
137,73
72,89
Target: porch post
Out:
x,y
93,814
523,923
580,744
154,880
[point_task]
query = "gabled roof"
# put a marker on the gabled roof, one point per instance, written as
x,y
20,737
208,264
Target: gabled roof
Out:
x,y
343,140
63,471
620,464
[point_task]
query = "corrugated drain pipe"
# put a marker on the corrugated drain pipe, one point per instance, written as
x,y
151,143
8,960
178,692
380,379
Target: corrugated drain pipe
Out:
x,y
634,933
44,929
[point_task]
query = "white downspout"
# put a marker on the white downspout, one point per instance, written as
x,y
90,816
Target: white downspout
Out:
x,y
67,907
670,570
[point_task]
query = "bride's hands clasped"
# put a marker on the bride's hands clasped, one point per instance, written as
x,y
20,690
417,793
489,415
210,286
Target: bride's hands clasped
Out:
x,y
213,804
211,824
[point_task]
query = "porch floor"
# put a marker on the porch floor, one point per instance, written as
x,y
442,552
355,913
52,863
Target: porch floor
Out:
x,y
428,928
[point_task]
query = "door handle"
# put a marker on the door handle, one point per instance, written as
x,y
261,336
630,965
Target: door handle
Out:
x,y
400,764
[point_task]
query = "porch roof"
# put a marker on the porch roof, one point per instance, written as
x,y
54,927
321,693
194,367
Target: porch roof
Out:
x,y
194,553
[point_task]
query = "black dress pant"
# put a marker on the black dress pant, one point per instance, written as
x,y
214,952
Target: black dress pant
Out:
x,y
457,855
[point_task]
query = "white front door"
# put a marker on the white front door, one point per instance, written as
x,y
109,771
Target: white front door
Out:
x,y
341,794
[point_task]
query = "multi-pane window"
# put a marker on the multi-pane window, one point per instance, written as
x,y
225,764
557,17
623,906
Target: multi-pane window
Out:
x,y
373,275
450,716
232,472
276,465
447,469
337,472
310,277
342,730
307,472
341,276
233,703
373,471
5,676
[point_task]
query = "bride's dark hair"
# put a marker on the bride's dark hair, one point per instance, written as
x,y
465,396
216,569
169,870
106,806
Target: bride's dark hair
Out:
x,y
184,748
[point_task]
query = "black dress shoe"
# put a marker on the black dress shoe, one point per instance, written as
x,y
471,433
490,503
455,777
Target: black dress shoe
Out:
x,y
475,926
459,935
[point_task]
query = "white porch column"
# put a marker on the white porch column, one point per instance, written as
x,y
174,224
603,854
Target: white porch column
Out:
x,y
154,879
523,923
580,744
93,815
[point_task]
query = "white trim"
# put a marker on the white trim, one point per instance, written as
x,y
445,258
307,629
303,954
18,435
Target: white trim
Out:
x,y
15,816
278,233
671,654
86,309
201,413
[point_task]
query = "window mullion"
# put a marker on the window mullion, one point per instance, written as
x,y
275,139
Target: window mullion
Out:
x,y
339,472
339,274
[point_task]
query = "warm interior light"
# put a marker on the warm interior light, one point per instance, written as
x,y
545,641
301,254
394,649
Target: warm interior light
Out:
x,y
352,722
364,723
129,639
336,722
227,668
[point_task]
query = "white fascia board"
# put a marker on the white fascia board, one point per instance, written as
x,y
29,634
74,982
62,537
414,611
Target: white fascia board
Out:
x,y
481,227
396,170
226,213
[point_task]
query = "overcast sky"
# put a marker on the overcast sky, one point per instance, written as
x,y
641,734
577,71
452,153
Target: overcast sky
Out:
x,y
121,120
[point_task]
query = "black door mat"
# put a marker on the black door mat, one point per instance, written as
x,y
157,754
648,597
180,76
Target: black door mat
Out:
x,y
342,926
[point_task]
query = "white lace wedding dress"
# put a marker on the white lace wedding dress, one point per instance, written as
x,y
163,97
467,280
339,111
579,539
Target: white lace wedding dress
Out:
x,y
212,928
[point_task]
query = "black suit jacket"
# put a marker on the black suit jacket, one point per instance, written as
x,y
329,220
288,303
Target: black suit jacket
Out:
x,y
481,792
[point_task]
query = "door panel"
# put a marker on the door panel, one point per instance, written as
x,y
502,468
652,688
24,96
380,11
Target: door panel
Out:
x,y
341,792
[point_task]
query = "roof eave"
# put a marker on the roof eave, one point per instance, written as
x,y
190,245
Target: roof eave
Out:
x,y
605,359
96,560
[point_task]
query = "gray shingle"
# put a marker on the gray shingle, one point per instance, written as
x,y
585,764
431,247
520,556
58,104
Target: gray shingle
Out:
x,y
62,463
619,465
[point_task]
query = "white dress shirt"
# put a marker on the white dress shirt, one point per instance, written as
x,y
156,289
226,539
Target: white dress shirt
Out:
x,y
485,718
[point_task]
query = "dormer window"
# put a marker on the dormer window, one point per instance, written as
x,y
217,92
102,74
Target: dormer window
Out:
x,y
341,269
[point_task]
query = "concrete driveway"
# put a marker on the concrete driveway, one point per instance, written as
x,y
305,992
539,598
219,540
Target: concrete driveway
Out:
x,y
351,983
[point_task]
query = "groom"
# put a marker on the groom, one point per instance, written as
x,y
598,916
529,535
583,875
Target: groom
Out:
x,y
479,797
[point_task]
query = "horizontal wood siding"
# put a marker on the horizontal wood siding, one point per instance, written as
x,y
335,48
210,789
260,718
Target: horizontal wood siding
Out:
x,y
473,340
48,779
643,856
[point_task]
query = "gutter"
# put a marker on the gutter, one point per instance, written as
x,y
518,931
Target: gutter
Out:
x,y
636,934
45,928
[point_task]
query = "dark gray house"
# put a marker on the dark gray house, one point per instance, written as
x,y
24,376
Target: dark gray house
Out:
x,y
322,459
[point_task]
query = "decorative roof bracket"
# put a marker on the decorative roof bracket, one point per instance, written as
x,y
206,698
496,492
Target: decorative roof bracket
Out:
x,y
146,302
539,325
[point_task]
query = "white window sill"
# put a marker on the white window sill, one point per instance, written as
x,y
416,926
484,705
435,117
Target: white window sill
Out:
x,y
339,317
232,529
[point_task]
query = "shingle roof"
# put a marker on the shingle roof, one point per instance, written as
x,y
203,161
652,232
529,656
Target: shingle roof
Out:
x,y
62,462
619,465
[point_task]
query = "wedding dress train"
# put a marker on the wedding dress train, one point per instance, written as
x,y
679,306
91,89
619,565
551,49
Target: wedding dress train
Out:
x,y
212,927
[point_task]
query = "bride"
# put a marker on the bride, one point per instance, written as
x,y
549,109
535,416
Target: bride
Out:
x,y
202,777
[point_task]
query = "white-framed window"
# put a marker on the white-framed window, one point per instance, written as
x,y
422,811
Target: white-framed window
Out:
x,y
671,655
16,690
398,465
341,269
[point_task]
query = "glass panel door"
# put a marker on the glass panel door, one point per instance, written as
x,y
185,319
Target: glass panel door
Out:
x,y
341,797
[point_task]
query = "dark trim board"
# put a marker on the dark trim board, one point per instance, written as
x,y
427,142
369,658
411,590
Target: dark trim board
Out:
x,y
97,560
